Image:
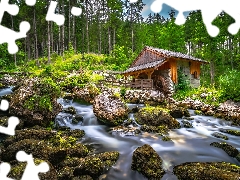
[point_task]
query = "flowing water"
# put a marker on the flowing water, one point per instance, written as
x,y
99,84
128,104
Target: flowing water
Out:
x,y
188,144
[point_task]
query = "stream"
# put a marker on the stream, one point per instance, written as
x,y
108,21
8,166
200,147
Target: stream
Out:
x,y
187,145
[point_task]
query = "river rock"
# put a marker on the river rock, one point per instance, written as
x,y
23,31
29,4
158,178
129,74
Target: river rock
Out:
x,y
96,165
30,91
208,170
77,118
70,110
179,112
187,124
18,169
220,135
86,94
146,161
156,116
110,109
229,149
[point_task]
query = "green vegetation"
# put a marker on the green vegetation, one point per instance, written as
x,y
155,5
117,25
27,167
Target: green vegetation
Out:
x,y
46,90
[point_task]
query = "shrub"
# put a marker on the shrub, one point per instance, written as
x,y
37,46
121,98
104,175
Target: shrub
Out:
x,y
230,85
183,82
79,80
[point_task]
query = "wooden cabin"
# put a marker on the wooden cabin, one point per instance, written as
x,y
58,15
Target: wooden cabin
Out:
x,y
158,68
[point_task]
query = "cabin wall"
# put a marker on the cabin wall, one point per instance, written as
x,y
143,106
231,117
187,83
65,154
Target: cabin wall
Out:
x,y
188,68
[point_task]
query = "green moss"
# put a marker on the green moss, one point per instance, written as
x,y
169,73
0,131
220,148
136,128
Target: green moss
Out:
x,y
156,116
146,161
166,138
63,141
229,149
210,170
198,112
219,135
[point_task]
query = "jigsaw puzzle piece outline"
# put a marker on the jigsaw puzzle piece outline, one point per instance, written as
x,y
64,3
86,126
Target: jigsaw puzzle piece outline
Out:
x,y
12,121
51,16
12,36
31,171
4,170
12,9
208,13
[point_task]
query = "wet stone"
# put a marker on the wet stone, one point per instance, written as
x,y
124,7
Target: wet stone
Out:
x,y
229,149
207,171
187,124
189,118
220,135
238,157
146,161
70,110
77,118
231,131
166,138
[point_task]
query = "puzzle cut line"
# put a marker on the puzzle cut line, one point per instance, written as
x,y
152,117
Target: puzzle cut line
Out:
x,y
209,10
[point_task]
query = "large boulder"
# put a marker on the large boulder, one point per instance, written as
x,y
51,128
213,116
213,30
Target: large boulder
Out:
x,y
209,170
109,109
36,102
146,161
156,116
86,94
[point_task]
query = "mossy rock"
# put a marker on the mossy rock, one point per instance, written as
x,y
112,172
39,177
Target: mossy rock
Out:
x,y
187,124
231,131
209,170
77,118
4,122
198,112
29,134
57,155
78,150
155,129
156,116
70,162
238,157
17,170
108,158
220,135
189,118
166,138
70,110
38,148
229,149
93,165
146,161
65,173
76,133
179,112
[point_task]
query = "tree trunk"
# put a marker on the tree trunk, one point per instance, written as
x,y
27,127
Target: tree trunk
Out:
x,y
14,56
73,35
52,43
69,23
63,29
48,42
109,40
212,71
87,28
35,34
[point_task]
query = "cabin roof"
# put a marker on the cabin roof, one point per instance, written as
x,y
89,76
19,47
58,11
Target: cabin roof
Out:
x,y
145,66
161,56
